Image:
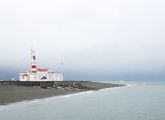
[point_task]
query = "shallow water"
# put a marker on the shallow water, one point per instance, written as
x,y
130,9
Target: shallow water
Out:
x,y
139,100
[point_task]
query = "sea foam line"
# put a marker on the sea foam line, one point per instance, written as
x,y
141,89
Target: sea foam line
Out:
x,y
38,101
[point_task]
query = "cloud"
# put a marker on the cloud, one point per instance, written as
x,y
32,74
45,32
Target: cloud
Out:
x,y
114,36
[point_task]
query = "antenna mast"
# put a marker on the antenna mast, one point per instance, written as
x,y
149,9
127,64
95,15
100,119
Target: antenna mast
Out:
x,y
62,68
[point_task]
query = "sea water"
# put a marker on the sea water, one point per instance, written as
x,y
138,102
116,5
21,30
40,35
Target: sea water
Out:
x,y
139,100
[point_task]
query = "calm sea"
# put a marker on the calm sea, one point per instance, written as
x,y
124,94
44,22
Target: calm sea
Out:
x,y
139,100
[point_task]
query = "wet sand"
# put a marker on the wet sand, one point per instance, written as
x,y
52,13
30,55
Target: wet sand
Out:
x,y
12,93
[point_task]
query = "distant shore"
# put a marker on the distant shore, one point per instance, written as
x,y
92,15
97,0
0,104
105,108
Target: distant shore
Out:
x,y
14,93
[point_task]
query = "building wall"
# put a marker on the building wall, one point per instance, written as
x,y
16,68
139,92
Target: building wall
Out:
x,y
23,78
42,76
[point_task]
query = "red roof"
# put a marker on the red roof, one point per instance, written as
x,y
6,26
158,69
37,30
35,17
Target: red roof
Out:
x,y
24,74
42,69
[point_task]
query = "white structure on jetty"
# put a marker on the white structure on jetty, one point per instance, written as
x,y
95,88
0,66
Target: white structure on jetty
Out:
x,y
39,74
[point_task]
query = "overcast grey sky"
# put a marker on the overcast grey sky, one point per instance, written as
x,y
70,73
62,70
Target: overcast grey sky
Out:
x,y
104,38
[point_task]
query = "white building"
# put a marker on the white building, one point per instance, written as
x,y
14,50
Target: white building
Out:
x,y
39,74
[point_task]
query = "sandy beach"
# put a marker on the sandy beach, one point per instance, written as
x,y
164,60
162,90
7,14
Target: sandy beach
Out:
x,y
12,93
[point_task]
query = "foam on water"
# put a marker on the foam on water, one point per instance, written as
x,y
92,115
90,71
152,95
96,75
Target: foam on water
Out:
x,y
128,85
76,94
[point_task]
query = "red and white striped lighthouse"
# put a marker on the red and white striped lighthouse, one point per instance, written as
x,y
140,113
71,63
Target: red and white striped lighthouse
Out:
x,y
39,74
33,63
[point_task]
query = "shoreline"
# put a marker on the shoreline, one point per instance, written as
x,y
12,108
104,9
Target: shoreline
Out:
x,y
46,98
12,93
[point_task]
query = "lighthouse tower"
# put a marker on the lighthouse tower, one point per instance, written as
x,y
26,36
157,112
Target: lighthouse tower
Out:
x,y
33,63
33,66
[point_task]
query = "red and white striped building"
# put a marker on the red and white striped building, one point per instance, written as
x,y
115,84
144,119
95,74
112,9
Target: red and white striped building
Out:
x,y
39,74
